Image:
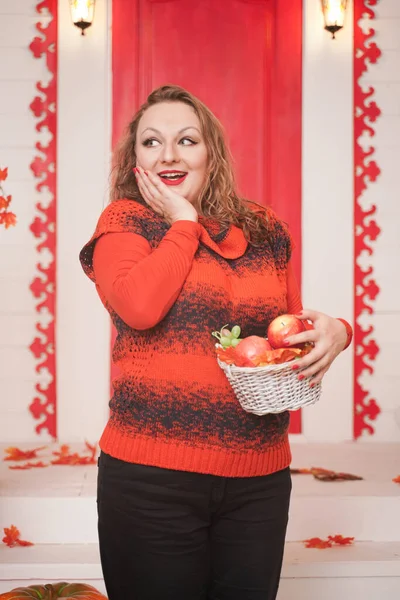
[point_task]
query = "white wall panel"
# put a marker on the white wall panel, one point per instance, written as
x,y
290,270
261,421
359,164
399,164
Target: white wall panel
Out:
x,y
19,72
328,206
83,342
384,77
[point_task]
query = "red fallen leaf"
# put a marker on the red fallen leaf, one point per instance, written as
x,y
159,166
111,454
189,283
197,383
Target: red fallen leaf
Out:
x,y
396,479
339,540
318,543
327,475
28,465
332,540
8,219
301,471
5,202
12,538
17,454
278,356
92,448
270,357
3,174
66,458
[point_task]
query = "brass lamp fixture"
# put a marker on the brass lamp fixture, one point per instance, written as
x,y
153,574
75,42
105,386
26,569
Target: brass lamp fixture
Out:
x,y
334,14
82,13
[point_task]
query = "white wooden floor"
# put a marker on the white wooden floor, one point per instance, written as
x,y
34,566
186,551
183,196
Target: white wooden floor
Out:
x,y
55,508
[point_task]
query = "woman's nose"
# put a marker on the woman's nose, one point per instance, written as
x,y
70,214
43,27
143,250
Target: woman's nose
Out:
x,y
169,153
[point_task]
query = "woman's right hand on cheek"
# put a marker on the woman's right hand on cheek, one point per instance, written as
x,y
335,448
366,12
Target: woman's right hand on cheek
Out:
x,y
166,203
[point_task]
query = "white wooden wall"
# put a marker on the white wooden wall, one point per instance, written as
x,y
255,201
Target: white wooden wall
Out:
x,y
18,74
385,194
83,159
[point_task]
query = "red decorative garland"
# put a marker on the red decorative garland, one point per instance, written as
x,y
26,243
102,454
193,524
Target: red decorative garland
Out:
x,y
43,287
366,229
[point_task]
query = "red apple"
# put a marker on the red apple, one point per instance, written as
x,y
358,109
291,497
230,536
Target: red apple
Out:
x,y
251,347
283,326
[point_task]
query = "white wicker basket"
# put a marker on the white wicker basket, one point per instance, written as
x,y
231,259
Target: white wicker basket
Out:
x,y
270,389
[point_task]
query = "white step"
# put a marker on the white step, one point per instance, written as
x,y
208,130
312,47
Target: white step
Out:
x,y
366,570
57,505
367,510
49,563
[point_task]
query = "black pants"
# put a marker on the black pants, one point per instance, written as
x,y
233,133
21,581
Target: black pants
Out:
x,y
172,535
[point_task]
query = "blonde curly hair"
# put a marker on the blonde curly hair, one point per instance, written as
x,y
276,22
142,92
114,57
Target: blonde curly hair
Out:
x,y
218,199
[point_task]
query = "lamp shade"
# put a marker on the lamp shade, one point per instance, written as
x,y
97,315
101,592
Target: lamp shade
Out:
x,y
82,13
334,14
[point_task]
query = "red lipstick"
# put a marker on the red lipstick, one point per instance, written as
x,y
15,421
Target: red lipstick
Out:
x,y
172,177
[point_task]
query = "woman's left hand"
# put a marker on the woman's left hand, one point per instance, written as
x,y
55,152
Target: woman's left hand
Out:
x,y
329,337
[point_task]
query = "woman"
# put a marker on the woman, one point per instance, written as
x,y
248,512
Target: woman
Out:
x,y
193,492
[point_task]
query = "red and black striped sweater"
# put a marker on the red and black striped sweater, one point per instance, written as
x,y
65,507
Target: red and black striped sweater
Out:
x,y
166,289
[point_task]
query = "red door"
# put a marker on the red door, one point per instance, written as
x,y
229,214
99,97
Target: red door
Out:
x,y
243,59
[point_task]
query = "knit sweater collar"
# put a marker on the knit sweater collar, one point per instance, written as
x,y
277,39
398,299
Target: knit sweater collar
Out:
x,y
228,243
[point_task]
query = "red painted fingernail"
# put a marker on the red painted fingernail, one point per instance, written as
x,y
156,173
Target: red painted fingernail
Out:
x,y
295,367
300,377
312,384
286,343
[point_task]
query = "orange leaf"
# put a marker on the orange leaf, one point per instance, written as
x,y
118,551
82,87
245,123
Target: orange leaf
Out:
x,y
326,475
8,219
270,357
278,356
17,454
3,174
301,471
63,451
5,202
28,465
12,538
317,543
66,458
24,543
339,540
91,448
333,540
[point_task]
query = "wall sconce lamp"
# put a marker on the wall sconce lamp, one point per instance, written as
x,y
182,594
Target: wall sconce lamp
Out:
x,y
82,13
334,13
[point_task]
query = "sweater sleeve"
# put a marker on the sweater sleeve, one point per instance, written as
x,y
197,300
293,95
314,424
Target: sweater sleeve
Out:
x,y
141,285
294,303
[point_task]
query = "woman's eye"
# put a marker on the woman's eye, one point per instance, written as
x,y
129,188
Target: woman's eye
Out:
x,y
150,142
187,142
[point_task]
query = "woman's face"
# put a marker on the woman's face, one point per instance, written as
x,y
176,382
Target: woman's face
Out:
x,y
170,144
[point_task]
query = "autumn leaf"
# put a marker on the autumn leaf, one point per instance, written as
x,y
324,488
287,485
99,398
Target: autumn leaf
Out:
x,y
332,540
317,543
396,479
65,457
3,174
28,465
17,454
300,471
339,540
5,202
326,475
92,449
270,357
12,538
8,219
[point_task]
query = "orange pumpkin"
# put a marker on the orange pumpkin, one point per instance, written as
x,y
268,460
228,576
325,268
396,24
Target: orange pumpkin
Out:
x,y
49,591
